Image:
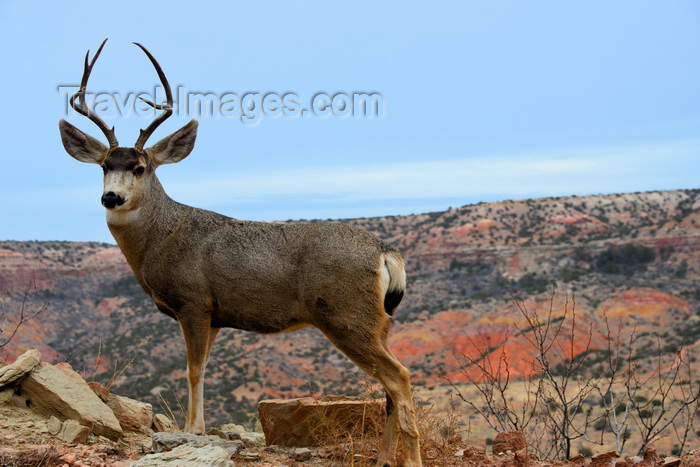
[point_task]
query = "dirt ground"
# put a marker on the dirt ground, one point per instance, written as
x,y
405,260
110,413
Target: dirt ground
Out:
x,y
25,441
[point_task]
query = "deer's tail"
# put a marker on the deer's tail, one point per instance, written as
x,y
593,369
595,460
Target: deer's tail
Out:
x,y
394,267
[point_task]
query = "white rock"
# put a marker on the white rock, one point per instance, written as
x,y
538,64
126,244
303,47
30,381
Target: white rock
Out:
x,y
54,425
168,441
187,455
23,365
63,393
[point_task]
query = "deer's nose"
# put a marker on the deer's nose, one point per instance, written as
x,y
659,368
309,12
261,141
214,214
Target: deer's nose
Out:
x,y
111,200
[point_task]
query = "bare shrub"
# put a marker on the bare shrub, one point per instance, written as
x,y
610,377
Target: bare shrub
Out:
x,y
552,414
358,444
577,392
43,456
12,319
666,399
441,433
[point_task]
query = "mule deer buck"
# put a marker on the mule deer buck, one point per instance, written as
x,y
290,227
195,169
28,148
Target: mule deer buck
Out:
x,y
209,271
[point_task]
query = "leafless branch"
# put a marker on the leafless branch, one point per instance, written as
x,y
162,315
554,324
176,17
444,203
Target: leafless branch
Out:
x,y
10,322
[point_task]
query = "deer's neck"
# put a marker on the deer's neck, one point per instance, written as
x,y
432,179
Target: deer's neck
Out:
x,y
146,227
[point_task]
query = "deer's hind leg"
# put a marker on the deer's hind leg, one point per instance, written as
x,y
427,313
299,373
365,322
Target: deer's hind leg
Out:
x,y
367,348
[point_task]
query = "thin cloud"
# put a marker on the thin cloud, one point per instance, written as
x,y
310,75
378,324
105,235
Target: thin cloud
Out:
x,y
602,169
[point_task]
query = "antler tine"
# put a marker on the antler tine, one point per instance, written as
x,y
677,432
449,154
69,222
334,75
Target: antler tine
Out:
x,y
81,106
167,108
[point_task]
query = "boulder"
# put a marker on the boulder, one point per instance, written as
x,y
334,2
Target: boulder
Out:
x,y
132,415
63,393
233,427
605,459
72,432
189,455
301,454
54,425
23,365
162,423
512,441
252,439
691,459
309,421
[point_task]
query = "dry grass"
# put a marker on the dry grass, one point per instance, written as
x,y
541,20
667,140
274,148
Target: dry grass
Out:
x,y
38,456
357,443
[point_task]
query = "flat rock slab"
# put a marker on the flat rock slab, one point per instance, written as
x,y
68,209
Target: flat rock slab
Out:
x,y
163,442
309,421
61,392
188,455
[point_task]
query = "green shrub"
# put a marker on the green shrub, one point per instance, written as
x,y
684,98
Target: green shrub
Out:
x,y
624,259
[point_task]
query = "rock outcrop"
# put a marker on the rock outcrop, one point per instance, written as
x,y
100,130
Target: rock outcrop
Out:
x,y
132,415
61,392
20,367
73,408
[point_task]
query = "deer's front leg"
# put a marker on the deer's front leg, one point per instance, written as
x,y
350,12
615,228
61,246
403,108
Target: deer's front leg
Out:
x,y
199,338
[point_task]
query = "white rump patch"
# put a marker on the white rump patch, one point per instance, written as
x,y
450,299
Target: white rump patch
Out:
x,y
393,273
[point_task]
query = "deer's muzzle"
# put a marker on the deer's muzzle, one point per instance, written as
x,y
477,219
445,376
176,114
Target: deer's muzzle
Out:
x,y
111,200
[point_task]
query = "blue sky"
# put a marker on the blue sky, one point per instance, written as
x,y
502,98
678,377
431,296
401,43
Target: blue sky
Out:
x,y
482,101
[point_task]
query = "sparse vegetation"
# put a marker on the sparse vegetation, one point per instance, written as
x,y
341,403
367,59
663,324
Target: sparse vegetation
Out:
x,y
556,404
358,445
624,259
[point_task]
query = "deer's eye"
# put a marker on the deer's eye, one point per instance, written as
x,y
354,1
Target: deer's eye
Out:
x,y
139,170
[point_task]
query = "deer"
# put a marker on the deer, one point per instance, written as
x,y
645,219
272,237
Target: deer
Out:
x,y
209,271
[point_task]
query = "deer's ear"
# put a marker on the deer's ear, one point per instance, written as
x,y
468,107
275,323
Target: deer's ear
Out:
x,y
175,147
81,146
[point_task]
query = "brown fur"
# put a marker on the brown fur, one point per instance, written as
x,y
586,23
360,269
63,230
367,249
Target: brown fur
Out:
x,y
210,271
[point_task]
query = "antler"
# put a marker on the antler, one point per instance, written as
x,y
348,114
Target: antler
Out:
x,y
82,108
168,108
